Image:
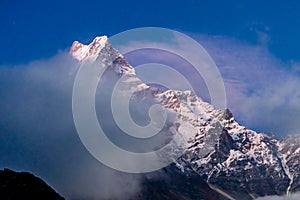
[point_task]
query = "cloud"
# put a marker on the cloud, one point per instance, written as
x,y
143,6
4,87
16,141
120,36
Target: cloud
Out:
x,y
261,31
295,66
262,91
262,37
37,132
295,196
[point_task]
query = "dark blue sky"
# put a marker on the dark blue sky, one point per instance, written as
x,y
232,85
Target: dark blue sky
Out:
x,y
33,30
257,52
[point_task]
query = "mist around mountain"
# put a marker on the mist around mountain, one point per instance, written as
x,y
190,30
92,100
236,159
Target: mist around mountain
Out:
x,y
230,160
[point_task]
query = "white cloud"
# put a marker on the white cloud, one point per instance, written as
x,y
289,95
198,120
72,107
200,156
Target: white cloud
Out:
x,y
291,197
262,91
37,132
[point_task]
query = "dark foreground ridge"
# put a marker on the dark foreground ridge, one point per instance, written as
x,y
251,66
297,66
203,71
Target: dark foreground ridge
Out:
x,y
23,185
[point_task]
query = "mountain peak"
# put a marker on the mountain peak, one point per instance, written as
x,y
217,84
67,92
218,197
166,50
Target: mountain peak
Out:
x,y
83,52
225,154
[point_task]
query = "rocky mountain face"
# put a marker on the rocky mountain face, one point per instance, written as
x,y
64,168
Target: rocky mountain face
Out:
x,y
221,158
23,185
241,162
171,183
289,151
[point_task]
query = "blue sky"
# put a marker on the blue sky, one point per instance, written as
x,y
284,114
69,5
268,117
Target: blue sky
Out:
x,y
255,44
33,30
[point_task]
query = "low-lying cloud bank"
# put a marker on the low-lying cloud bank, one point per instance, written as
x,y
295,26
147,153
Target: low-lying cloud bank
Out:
x,y
37,132
291,197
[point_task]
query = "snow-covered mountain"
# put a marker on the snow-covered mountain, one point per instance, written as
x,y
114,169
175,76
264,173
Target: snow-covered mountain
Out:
x,y
233,160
